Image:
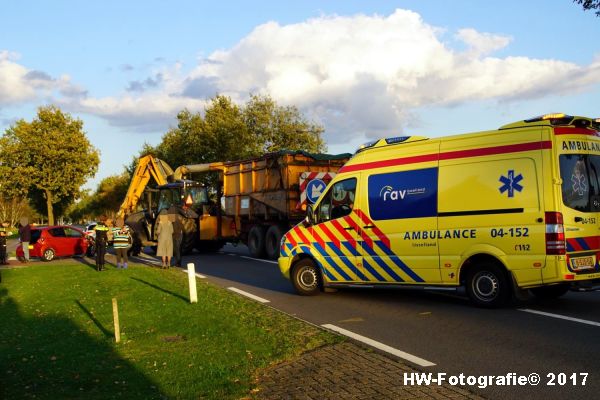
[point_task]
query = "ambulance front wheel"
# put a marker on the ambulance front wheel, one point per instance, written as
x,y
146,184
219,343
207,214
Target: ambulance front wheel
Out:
x,y
487,285
306,277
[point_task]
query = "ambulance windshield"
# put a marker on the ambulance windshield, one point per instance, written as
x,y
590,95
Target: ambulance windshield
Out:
x,y
580,181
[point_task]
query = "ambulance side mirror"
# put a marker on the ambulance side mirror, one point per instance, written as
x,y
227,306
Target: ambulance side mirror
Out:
x,y
310,214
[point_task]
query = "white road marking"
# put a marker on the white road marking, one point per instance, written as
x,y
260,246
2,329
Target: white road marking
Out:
x,y
581,321
250,295
378,345
260,259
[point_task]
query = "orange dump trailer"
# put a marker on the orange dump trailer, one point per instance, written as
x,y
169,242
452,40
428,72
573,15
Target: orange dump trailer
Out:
x,y
266,196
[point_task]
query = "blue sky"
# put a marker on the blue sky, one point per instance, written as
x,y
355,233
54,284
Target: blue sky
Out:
x,y
362,69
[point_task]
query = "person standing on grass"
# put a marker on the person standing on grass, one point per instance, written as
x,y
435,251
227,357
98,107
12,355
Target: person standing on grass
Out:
x,y
101,241
164,230
4,232
25,236
121,242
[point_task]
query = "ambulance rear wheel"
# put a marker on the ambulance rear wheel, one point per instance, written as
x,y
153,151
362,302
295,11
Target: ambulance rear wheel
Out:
x,y
306,277
487,285
550,292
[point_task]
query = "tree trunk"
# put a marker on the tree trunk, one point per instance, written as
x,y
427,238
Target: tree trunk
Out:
x,y
49,205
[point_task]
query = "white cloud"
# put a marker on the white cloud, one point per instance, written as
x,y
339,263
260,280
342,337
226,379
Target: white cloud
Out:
x,y
19,84
366,74
482,43
149,112
358,75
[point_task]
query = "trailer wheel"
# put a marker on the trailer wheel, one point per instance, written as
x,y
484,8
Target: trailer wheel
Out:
x,y
256,241
550,292
306,277
273,240
487,285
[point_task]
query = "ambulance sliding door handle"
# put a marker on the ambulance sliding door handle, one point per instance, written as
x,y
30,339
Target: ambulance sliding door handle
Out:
x,y
368,226
348,228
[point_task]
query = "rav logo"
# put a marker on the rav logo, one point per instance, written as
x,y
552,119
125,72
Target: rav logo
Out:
x,y
393,194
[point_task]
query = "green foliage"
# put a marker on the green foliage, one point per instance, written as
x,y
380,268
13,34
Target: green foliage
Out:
x,y
110,193
106,199
48,158
590,5
38,201
81,211
146,149
228,132
280,128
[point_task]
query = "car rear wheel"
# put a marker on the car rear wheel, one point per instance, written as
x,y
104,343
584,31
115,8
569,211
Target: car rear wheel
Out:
x,y
48,255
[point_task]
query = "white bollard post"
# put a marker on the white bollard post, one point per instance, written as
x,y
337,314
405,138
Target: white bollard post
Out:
x,y
192,281
116,320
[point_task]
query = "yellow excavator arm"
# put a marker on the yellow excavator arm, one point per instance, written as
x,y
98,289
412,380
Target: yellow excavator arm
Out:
x,y
148,167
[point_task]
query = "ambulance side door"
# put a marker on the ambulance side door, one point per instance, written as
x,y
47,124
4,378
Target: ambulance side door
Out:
x,y
400,226
335,237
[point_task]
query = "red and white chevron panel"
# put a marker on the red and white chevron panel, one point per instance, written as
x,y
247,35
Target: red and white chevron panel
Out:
x,y
306,177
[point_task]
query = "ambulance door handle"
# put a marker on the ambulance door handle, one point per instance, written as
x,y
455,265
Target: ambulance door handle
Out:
x,y
348,228
368,226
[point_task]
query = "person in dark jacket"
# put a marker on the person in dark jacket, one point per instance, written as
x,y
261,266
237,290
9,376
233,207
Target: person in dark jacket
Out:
x,y
4,232
25,236
177,235
101,242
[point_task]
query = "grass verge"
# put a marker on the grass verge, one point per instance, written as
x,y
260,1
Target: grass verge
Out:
x,y
57,335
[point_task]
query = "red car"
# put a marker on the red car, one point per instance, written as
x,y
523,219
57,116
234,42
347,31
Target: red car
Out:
x,y
49,242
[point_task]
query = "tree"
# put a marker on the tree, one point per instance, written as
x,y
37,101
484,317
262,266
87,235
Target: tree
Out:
x,y
49,156
13,208
276,128
110,194
590,5
228,132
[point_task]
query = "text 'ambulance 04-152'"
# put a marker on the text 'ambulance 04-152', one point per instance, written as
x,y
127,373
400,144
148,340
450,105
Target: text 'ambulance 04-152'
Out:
x,y
497,212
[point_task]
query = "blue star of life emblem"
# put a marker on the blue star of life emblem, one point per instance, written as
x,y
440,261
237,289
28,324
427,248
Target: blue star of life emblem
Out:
x,y
510,183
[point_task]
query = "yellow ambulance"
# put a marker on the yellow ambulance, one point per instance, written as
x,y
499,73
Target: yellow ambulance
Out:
x,y
497,212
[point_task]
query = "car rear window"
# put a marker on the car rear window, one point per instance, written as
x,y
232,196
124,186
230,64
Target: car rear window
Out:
x,y
57,232
35,235
73,233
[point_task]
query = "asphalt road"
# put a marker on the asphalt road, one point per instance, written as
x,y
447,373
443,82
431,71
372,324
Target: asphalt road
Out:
x,y
444,328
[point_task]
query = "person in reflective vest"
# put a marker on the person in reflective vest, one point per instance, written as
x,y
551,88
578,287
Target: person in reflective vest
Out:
x,y
121,242
101,242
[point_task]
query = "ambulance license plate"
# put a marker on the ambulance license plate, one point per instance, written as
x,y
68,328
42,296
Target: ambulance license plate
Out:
x,y
580,263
